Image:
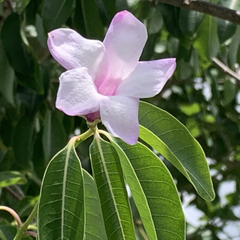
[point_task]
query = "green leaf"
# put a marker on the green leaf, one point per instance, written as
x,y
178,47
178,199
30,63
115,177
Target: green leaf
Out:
x,y
8,161
171,19
26,205
122,5
229,91
193,126
189,21
78,19
225,29
155,22
234,47
23,140
170,138
20,54
21,5
206,42
108,176
41,37
110,8
54,135
38,158
184,70
149,47
190,109
95,229
13,45
92,21
153,191
7,232
7,77
55,13
232,4
9,178
61,208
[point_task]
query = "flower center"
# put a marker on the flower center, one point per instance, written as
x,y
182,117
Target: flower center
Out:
x,y
108,86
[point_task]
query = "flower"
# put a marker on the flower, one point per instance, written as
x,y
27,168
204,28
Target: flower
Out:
x,y
104,80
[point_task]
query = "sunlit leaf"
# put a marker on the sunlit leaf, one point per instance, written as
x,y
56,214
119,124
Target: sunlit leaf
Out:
x,y
9,178
207,42
153,191
108,175
171,139
190,109
95,229
61,207
193,126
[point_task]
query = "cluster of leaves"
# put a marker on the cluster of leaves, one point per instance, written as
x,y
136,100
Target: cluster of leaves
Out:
x,y
205,98
69,195
200,95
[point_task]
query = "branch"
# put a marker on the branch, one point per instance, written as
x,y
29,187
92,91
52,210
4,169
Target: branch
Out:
x,y
206,8
14,193
226,69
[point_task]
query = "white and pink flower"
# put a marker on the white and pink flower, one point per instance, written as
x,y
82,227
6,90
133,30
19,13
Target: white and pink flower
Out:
x,y
105,80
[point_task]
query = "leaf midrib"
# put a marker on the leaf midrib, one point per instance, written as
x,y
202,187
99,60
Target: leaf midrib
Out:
x,y
97,138
64,189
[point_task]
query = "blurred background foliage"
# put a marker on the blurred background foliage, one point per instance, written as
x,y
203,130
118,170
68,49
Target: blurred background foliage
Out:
x,y
203,94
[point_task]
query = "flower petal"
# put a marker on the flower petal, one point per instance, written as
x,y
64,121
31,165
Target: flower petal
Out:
x,y
71,50
77,94
147,79
119,114
124,43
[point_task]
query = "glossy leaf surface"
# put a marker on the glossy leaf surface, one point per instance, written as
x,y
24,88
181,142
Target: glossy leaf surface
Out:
x,y
153,191
61,208
171,139
108,175
95,229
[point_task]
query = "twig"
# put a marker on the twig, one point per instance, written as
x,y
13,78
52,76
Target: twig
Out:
x,y
207,8
13,213
31,233
226,69
18,190
13,193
